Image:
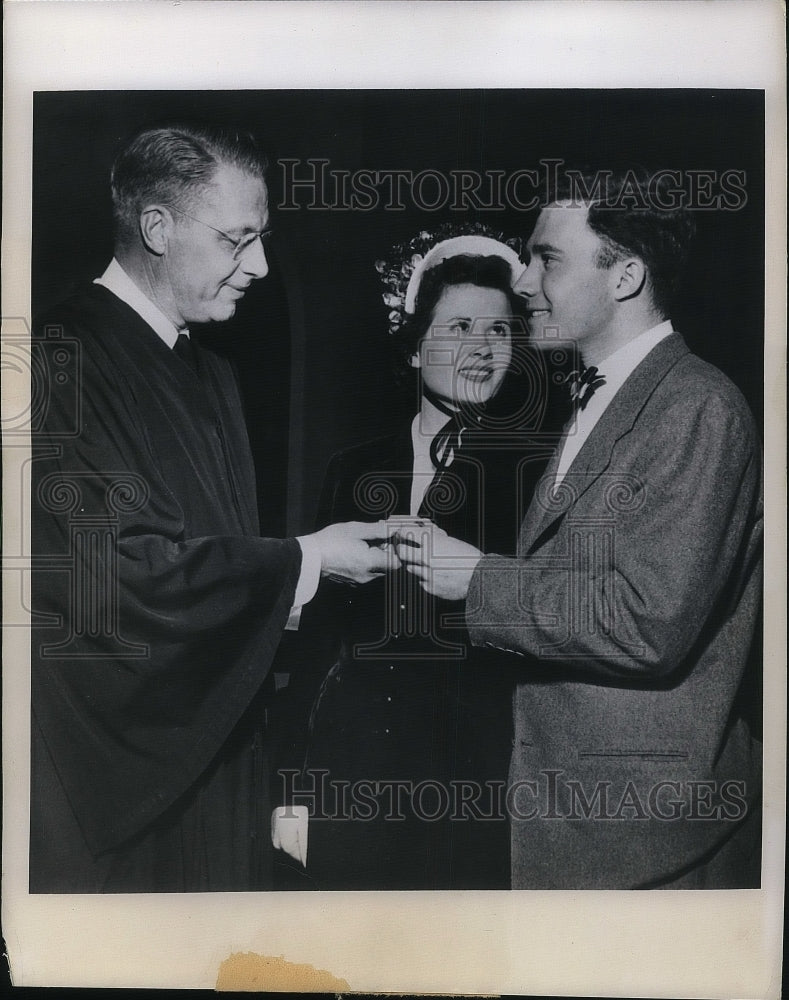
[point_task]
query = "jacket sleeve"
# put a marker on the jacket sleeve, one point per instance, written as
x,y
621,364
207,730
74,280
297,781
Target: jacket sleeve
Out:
x,y
631,575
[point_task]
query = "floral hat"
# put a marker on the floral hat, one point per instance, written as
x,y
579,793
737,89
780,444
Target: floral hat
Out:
x,y
402,273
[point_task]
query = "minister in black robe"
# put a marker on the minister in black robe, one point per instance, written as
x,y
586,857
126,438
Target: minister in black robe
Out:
x,y
131,706
157,606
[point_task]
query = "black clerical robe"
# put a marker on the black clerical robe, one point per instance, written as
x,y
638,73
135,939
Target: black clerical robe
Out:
x,y
157,611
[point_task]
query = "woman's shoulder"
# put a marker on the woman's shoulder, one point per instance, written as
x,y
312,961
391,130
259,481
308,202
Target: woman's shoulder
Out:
x,y
367,480
375,454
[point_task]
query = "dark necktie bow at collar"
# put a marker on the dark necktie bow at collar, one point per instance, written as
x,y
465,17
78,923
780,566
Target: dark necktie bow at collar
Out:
x,y
583,385
445,444
447,441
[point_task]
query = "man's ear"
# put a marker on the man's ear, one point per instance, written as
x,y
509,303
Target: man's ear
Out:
x,y
631,276
155,226
415,361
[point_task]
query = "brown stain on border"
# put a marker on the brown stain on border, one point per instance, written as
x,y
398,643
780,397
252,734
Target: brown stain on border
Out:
x,y
248,971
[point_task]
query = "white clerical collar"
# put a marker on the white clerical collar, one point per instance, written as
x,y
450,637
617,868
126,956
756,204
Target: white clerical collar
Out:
x,y
116,280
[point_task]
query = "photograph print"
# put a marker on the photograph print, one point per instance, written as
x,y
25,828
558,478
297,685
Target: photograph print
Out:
x,y
396,490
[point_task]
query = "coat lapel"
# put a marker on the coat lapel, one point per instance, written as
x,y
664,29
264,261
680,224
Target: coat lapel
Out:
x,y
394,463
594,457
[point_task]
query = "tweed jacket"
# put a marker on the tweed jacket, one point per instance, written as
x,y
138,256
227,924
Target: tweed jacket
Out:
x,y
632,604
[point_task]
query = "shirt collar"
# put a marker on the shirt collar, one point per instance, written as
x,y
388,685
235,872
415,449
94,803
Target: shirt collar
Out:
x,y
117,281
618,366
429,420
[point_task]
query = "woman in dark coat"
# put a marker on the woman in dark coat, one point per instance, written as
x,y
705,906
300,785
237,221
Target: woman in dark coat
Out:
x,y
409,737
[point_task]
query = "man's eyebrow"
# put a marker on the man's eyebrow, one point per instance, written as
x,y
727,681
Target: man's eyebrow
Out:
x,y
543,248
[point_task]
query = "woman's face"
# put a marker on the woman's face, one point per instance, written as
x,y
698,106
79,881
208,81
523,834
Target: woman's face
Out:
x,y
465,354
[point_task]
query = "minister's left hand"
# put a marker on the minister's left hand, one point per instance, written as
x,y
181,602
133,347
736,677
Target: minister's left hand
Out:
x,y
443,565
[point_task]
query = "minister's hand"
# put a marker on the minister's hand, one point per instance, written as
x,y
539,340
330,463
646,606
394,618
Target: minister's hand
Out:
x,y
355,551
442,564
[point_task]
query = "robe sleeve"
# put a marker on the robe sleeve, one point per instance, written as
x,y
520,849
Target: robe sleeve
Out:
x,y
149,644
308,654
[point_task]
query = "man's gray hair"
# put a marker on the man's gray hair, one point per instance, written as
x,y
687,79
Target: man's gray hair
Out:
x,y
173,165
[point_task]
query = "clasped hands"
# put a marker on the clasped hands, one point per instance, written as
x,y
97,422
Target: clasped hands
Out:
x,y
358,551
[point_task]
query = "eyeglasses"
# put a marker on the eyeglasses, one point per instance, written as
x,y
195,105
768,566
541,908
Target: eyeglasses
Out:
x,y
240,246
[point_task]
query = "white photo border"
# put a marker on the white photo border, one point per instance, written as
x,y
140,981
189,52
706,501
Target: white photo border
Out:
x,y
689,944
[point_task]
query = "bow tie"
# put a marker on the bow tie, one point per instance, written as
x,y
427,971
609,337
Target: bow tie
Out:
x,y
583,384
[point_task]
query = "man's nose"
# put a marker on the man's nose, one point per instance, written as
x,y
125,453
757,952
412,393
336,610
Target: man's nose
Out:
x,y
525,285
254,261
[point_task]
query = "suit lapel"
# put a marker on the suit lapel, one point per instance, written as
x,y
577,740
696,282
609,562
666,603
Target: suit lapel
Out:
x,y
594,458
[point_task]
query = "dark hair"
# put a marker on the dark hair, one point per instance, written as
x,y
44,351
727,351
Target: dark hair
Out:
x,y
462,269
171,165
635,212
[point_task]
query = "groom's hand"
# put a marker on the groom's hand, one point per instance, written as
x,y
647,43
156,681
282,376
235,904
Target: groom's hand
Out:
x,y
442,564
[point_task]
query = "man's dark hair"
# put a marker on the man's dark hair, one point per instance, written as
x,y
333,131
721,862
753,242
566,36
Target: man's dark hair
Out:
x,y
173,164
462,269
635,212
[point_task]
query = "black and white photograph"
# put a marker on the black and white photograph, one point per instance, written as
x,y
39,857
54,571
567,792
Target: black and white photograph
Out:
x,y
396,498
169,693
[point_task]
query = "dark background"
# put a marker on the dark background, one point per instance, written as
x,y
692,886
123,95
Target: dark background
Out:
x,y
311,339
